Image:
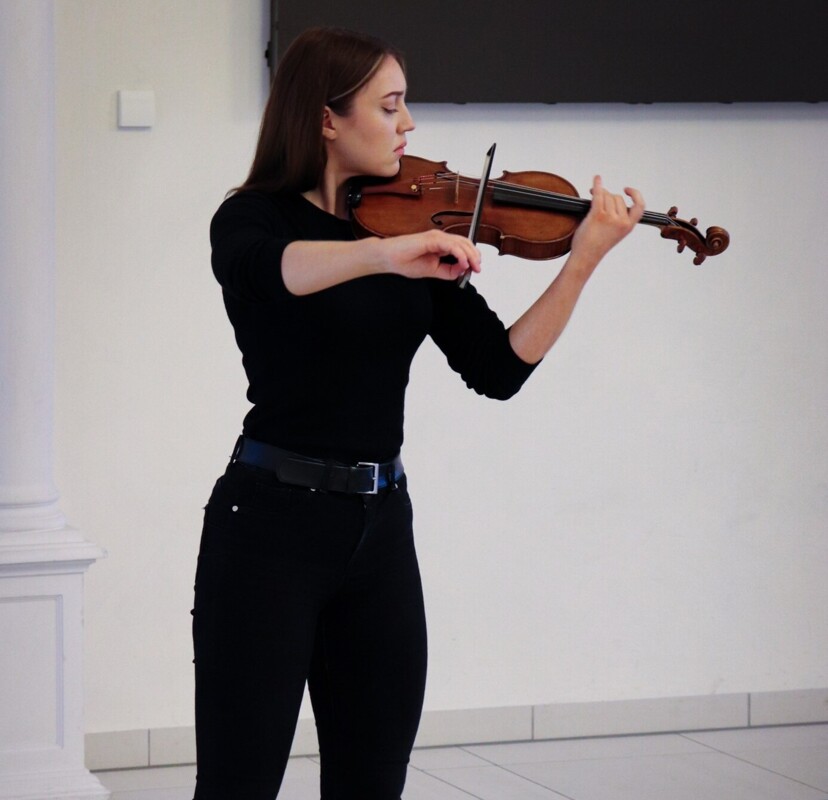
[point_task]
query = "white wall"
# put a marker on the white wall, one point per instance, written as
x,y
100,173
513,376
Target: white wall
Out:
x,y
646,519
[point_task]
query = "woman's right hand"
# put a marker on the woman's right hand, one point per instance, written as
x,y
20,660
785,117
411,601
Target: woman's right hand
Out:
x,y
430,254
311,266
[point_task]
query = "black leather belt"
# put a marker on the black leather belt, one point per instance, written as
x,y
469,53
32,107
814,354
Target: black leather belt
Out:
x,y
314,473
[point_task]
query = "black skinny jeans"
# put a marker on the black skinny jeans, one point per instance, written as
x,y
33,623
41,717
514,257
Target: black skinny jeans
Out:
x,y
295,586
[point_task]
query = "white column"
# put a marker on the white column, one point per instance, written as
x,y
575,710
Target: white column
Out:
x,y
42,560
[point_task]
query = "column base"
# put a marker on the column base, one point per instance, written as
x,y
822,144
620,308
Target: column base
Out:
x,y
41,664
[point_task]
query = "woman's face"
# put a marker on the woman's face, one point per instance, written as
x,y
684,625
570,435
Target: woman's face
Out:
x,y
370,138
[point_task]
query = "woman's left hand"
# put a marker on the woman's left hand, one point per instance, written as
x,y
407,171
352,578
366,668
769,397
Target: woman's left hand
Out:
x,y
608,221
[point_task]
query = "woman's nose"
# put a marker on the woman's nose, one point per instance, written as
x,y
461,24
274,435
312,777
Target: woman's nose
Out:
x,y
406,121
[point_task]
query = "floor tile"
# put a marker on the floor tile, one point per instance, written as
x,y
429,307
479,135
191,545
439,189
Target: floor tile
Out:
x,y
798,752
809,765
760,738
496,783
422,786
574,749
301,781
775,763
691,776
445,758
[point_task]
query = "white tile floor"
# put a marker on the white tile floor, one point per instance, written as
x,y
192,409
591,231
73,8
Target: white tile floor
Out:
x,y
782,763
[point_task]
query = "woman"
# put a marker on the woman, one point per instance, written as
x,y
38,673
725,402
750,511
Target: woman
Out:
x,y
307,570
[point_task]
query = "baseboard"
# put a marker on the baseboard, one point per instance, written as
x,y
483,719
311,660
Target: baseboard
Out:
x,y
168,746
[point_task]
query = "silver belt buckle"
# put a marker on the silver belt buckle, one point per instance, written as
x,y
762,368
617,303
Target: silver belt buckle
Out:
x,y
374,476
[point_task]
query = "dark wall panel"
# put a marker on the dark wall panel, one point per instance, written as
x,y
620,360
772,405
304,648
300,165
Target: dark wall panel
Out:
x,y
557,51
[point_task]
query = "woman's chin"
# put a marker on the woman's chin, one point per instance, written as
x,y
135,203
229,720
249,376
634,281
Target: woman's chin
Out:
x,y
391,169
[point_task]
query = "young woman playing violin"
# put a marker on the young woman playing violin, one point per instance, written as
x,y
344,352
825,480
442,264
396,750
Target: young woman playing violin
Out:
x,y
307,571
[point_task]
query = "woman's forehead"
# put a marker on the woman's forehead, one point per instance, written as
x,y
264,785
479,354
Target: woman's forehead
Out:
x,y
389,79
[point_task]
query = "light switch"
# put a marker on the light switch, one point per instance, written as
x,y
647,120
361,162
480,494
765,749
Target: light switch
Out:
x,y
136,108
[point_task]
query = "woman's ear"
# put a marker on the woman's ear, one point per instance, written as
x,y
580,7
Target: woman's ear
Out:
x,y
328,127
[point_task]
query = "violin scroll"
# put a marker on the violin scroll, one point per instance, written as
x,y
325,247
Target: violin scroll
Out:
x,y
687,235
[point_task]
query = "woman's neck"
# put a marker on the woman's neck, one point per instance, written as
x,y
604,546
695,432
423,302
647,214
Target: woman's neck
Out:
x,y
330,195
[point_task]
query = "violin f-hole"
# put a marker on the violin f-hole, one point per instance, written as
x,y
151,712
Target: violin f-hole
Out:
x,y
436,219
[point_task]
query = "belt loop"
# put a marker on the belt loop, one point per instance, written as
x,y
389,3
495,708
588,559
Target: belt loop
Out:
x,y
237,449
391,476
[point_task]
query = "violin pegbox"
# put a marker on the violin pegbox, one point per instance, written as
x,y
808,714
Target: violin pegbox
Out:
x,y
687,234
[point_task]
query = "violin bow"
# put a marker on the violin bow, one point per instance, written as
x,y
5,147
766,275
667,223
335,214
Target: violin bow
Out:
x,y
478,208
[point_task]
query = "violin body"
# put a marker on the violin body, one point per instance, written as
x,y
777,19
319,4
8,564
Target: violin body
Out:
x,y
530,215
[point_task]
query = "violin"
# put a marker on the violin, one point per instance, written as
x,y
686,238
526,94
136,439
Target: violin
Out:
x,y
530,215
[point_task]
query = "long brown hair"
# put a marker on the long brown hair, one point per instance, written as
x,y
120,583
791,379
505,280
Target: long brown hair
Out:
x,y
322,67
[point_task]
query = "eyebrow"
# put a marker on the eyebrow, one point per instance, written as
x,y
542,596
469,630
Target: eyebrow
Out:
x,y
393,94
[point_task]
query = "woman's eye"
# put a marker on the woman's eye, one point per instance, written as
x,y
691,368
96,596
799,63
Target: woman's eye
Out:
x,y
390,110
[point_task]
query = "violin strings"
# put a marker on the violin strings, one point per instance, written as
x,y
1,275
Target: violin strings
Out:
x,y
561,201
575,203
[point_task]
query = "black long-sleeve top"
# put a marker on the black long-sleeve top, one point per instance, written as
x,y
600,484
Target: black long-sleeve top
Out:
x,y
328,371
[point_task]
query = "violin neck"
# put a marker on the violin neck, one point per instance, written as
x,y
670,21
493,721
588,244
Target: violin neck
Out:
x,y
515,194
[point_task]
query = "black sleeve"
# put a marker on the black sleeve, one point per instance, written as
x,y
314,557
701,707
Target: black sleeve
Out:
x,y
247,247
475,341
